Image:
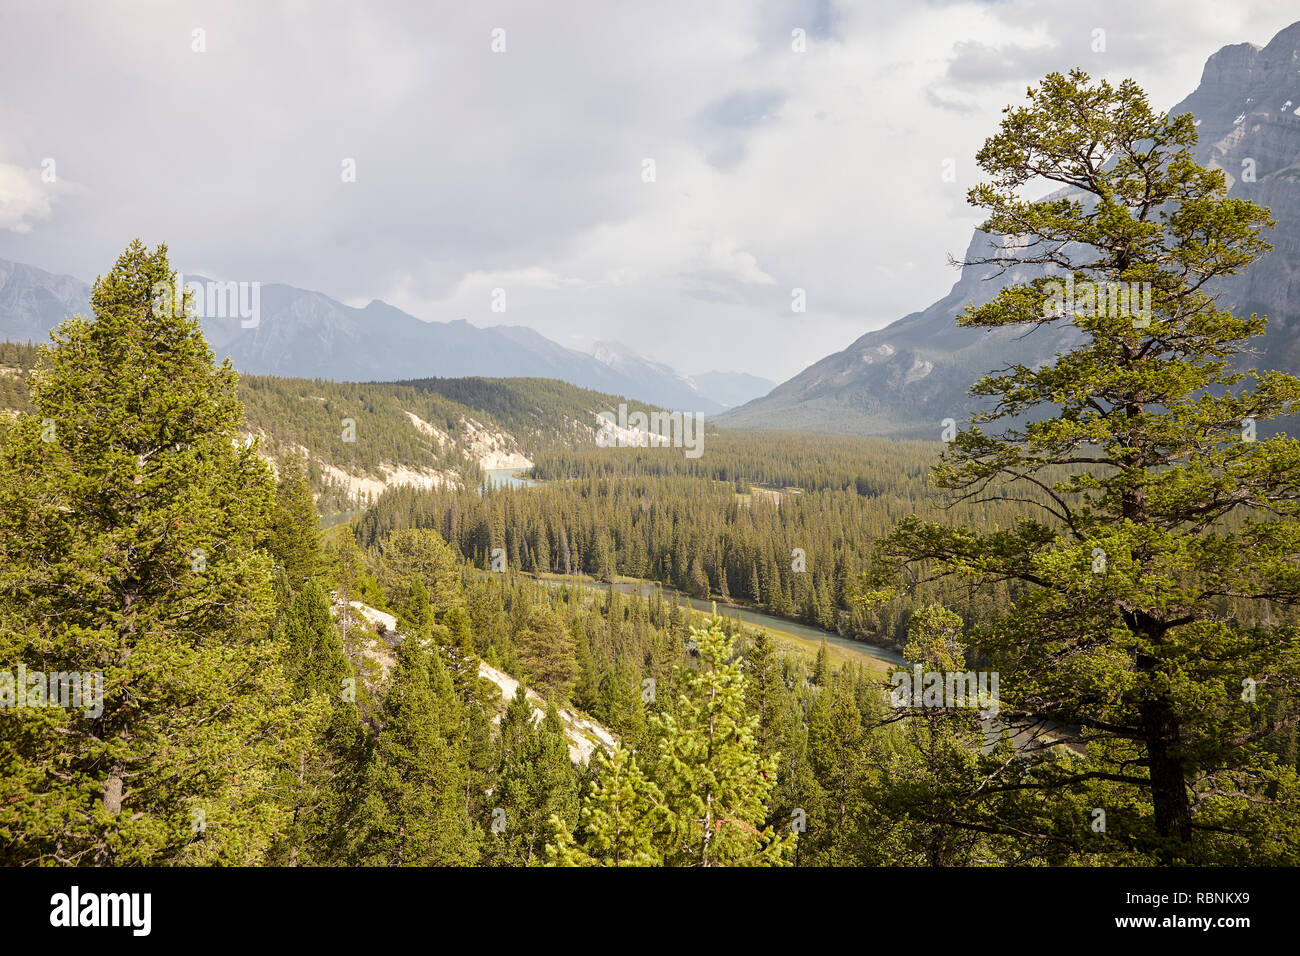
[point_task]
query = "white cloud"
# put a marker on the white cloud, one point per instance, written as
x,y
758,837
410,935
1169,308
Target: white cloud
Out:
x,y
24,199
736,263
522,170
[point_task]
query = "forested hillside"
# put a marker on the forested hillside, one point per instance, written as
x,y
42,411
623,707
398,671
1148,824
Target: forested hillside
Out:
x,y
786,526
542,413
361,439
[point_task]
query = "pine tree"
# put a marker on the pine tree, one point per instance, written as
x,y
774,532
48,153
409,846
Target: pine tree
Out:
x,y
419,554
587,686
836,741
295,539
1162,524
130,516
415,613
699,581
413,812
547,655
619,820
780,734
917,805
314,662
714,781
349,571
822,665
535,781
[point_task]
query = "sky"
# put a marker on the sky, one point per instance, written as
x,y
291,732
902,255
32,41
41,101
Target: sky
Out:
x,y
672,176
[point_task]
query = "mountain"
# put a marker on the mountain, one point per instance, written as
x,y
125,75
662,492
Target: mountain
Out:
x,y
300,333
33,301
732,388
904,379
642,377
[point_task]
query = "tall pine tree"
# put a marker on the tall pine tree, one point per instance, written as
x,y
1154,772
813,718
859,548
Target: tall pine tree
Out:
x,y
130,515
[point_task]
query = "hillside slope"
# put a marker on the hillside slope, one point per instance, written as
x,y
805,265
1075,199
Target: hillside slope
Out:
x,y
582,733
361,439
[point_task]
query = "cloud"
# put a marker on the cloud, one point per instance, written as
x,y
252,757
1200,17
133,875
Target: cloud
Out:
x,y
24,199
521,170
745,109
978,64
737,263
951,101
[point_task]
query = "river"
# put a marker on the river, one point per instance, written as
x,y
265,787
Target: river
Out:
x,y
749,616
511,478
505,478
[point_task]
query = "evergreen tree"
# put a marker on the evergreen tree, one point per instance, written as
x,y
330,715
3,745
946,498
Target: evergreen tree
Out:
x,y
420,555
413,812
535,781
781,735
318,669
620,818
927,770
130,516
1162,524
822,665
294,539
546,654
836,739
714,781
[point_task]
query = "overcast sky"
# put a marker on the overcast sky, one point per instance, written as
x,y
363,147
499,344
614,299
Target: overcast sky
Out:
x,y
524,170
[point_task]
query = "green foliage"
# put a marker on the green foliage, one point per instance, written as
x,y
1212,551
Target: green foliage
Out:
x,y
130,517
541,413
319,775
294,539
296,415
1145,582
619,821
413,812
535,781
707,764
649,513
1108,535
546,654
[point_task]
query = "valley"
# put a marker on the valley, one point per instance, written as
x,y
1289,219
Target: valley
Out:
x,y
1012,581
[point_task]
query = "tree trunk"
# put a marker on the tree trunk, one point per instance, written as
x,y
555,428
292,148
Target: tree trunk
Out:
x,y
1173,810
1169,802
112,806
297,807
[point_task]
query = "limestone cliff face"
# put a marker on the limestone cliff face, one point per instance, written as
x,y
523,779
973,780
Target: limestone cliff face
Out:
x,y
1248,105
905,378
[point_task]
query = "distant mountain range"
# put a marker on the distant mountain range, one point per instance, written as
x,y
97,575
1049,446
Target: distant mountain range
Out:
x,y
902,380
732,388
307,334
